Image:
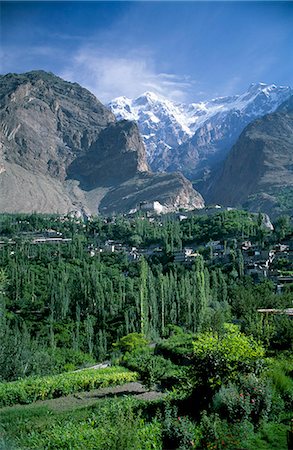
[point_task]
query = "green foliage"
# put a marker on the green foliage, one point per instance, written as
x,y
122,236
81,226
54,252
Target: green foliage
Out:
x,y
22,356
280,373
271,436
3,280
178,346
219,358
179,432
60,297
276,331
282,225
218,434
153,369
222,225
131,342
62,306
31,389
109,425
282,336
68,299
249,399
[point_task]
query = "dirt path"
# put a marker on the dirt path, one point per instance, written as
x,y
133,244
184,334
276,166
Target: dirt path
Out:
x,y
98,366
85,399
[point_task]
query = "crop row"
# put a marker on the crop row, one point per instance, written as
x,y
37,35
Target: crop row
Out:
x,y
31,389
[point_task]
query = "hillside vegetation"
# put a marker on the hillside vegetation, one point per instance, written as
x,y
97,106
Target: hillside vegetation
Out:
x,y
75,292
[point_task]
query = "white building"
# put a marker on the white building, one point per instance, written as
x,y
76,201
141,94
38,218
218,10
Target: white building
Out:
x,y
154,207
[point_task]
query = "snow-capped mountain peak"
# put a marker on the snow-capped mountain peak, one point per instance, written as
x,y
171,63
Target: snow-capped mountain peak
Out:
x,y
147,97
166,125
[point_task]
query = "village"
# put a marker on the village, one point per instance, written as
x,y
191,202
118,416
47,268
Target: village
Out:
x,y
260,264
259,260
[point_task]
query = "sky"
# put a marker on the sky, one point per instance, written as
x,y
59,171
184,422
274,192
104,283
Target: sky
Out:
x,y
185,51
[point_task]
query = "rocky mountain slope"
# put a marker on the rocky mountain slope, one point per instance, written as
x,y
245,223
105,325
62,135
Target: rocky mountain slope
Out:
x,y
62,150
258,172
194,138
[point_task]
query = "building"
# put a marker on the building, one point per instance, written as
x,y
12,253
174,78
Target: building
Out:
x,y
257,271
153,207
187,255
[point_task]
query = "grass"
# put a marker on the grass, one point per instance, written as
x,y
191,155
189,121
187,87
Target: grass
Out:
x,y
95,427
110,424
272,436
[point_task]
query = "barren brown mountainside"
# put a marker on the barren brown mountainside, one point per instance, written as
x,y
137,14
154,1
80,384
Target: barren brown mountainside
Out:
x,y
258,172
62,150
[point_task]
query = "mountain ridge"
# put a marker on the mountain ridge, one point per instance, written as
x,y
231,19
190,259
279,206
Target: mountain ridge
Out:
x,y
193,138
62,149
258,171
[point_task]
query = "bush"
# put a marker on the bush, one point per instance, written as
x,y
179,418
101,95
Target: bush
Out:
x,y
120,426
178,431
111,424
271,436
282,338
279,372
220,358
217,434
21,356
178,347
58,360
152,369
250,399
130,342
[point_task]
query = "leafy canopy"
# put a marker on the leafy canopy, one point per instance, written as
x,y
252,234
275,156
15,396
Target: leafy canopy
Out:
x,y
218,358
131,342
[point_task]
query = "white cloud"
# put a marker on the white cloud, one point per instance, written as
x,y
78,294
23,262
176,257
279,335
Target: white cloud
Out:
x,y
109,76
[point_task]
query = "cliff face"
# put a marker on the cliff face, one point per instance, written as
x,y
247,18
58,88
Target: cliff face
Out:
x,y
62,150
46,122
259,169
117,155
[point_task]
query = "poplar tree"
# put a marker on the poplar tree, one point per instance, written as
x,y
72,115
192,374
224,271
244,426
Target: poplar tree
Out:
x,y
200,294
143,294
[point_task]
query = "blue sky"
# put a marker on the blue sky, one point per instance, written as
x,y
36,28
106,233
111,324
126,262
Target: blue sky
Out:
x,y
187,51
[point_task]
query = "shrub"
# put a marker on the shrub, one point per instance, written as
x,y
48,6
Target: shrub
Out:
x,y
178,347
279,372
63,357
152,369
271,436
178,432
132,433
282,338
220,358
217,434
250,399
110,424
20,356
130,342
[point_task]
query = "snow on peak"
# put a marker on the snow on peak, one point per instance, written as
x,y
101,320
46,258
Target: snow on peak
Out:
x,y
257,85
150,96
165,124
